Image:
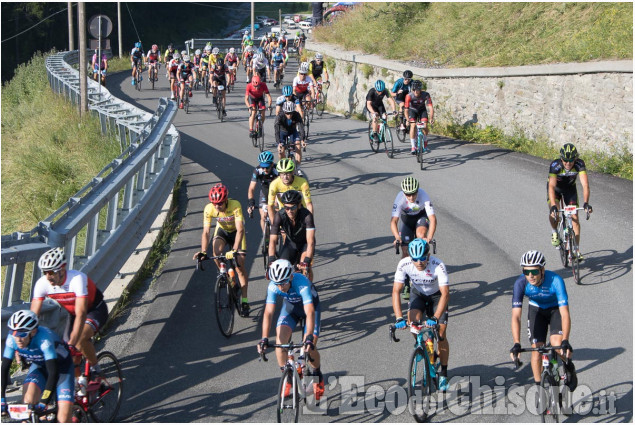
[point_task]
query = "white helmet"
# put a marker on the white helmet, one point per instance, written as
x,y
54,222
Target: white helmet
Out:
x,y
215,51
246,32
198,52
183,52
23,320
249,48
176,55
280,271
318,56
532,258
304,68
232,50
186,58
208,48
52,260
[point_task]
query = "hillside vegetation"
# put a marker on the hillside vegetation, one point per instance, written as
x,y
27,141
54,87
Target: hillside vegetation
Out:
x,y
486,34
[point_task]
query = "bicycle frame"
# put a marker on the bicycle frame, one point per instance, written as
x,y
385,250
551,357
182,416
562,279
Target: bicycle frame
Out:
x,y
295,361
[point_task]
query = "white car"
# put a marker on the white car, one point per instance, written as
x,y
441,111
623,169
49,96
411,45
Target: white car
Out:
x,y
291,24
305,25
261,18
288,20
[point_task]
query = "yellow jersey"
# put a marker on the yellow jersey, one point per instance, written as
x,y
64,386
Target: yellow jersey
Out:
x,y
277,187
227,219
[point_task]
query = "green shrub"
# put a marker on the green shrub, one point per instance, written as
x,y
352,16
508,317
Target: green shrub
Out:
x,y
349,68
367,70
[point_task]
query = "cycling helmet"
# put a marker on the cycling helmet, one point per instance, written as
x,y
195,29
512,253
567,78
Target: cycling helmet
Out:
x,y
318,56
250,42
176,55
183,52
285,165
137,45
265,159
409,185
304,68
418,249
246,32
261,56
417,85
532,258
255,80
170,46
232,50
23,321
278,51
568,152
380,85
208,48
155,47
197,52
291,197
186,58
407,74
52,260
220,62
218,193
215,51
287,91
288,107
249,48
280,271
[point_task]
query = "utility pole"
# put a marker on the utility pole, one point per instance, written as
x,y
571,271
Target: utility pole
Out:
x,y
119,29
71,32
280,19
83,83
253,11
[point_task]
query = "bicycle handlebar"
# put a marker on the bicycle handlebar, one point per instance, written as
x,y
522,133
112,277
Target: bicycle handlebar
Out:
x,y
435,330
199,261
544,349
588,214
397,247
289,346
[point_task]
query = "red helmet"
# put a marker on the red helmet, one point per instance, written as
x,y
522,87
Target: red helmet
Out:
x,y
218,193
255,80
155,47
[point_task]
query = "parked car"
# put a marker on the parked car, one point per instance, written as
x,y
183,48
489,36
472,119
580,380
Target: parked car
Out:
x,y
270,21
297,18
291,25
275,29
305,25
288,21
261,18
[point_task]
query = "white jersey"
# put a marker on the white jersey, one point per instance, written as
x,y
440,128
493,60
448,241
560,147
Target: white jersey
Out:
x,y
402,206
259,64
426,281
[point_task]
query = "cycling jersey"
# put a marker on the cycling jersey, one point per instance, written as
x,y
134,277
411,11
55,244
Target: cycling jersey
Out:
x,y
277,188
401,206
419,103
45,345
551,293
174,65
152,56
219,73
168,55
426,281
257,93
231,59
296,232
281,99
197,61
315,69
103,61
376,98
259,64
405,89
265,178
204,60
302,292
288,125
563,177
226,220
76,285
302,86
277,59
136,54
185,70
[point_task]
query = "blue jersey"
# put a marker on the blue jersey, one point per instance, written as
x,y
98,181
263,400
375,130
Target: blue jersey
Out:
x,y
45,345
277,59
552,292
301,292
399,85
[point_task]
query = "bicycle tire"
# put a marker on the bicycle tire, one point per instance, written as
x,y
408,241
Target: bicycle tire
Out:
x,y
106,406
373,145
306,124
219,108
287,408
224,306
573,258
261,141
152,79
206,87
321,106
401,134
419,379
78,414
264,246
548,399
187,104
388,142
420,158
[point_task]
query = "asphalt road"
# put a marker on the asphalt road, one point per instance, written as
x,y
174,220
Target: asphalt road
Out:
x,y
490,205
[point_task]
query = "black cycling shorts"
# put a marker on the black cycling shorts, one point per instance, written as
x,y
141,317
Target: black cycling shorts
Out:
x,y
417,114
291,251
408,225
230,238
569,194
427,304
95,318
539,320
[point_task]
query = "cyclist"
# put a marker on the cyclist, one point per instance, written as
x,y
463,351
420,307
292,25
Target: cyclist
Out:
x,y
300,39
303,86
288,96
375,105
431,290
152,58
51,370
298,225
205,66
548,308
265,173
400,90
231,60
255,99
286,125
246,37
173,68
196,60
219,78
300,301
561,185
185,73
260,66
248,55
169,54
415,106
287,181
283,41
277,61
230,230
78,295
100,67
136,58
316,67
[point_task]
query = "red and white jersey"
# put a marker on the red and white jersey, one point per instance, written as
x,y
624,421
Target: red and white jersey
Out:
x,y
302,86
77,285
173,65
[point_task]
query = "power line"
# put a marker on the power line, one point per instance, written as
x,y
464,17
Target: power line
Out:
x,y
133,24
28,29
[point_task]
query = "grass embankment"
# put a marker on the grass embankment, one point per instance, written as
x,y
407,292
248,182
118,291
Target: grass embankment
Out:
x,y
48,151
486,34
272,10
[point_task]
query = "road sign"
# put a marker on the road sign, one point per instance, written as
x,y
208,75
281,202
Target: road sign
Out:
x,y
95,22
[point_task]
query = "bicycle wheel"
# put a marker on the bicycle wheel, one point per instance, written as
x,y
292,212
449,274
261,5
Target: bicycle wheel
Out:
x,y
105,406
79,415
264,246
306,124
187,104
573,258
224,306
419,150
321,106
206,86
419,384
373,145
152,78
548,399
288,406
401,134
219,109
390,148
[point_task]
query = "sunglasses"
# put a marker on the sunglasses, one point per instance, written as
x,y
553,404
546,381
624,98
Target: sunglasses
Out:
x,y
293,208
50,272
420,260
20,334
533,272
282,283
218,205
568,160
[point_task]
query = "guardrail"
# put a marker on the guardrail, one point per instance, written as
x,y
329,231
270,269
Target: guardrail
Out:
x,y
102,224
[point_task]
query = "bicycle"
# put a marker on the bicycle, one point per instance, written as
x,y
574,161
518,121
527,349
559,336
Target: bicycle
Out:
x,y
33,413
568,246
423,372
219,102
154,69
551,382
307,109
321,96
264,244
293,374
138,76
402,135
258,139
384,135
227,293
186,96
101,398
422,143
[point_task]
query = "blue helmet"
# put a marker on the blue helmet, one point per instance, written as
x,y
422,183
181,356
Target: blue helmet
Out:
x,y
380,85
138,44
265,158
287,91
418,249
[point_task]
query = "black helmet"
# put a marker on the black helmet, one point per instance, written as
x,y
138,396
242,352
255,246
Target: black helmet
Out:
x,y
291,197
568,152
407,74
417,85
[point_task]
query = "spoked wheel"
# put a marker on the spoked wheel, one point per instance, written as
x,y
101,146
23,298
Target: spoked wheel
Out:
x,y
108,397
573,258
548,400
206,86
224,306
419,385
401,134
152,75
312,111
321,106
373,145
261,139
187,104
219,108
79,415
264,246
288,406
390,148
